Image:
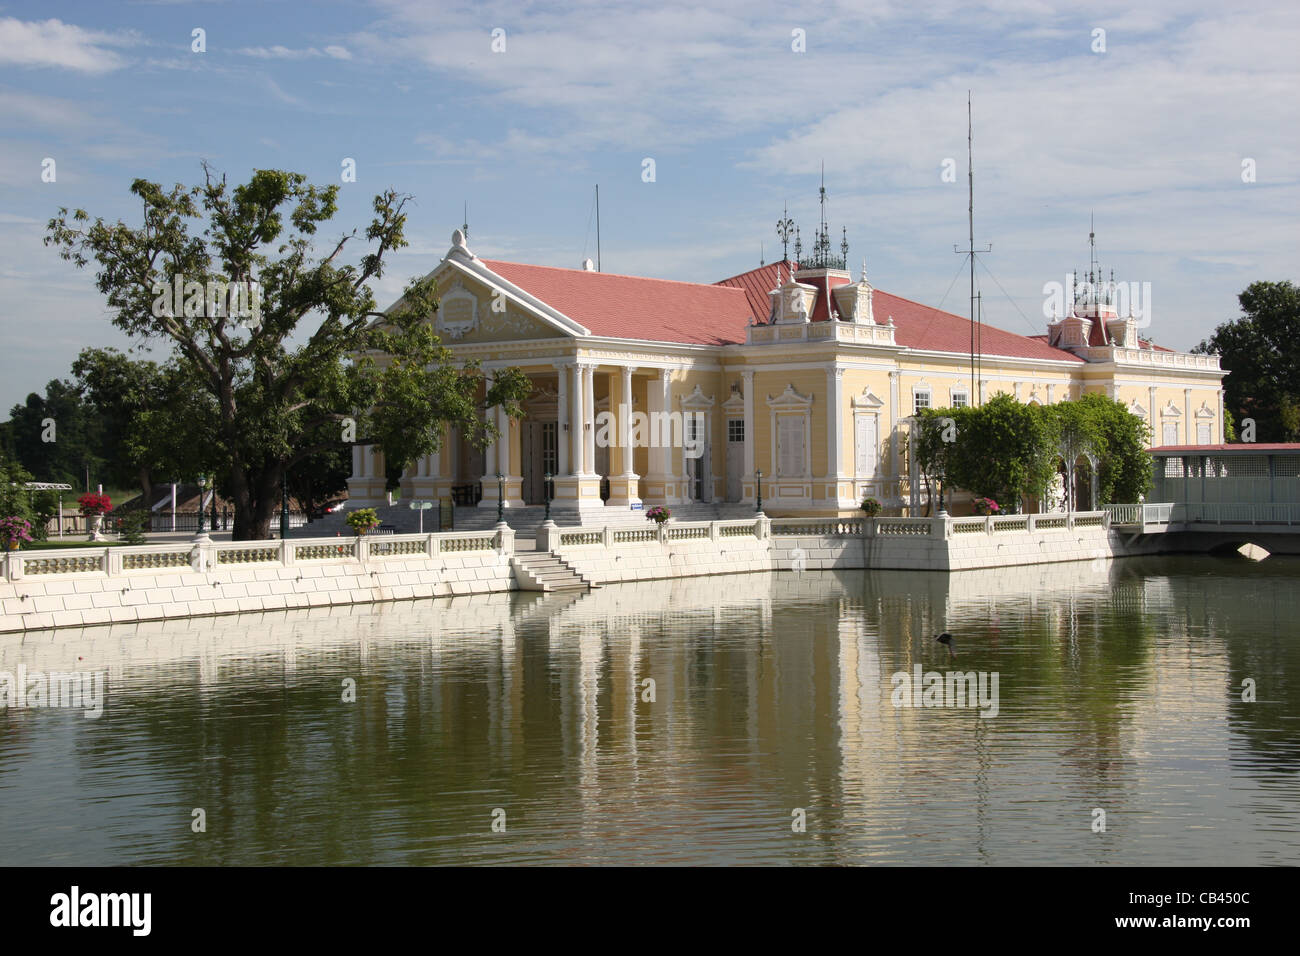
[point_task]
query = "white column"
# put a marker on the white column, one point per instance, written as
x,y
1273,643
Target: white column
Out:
x,y
357,465
834,417
625,421
575,422
589,418
1050,390
1152,419
1189,426
893,424
562,418
1222,429
749,423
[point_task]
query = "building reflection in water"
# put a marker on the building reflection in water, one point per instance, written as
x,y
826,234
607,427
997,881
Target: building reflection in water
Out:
x,y
770,693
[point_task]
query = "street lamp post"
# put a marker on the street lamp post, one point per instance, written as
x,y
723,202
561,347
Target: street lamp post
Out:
x,y
284,505
758,505
501,498
203,484
546,493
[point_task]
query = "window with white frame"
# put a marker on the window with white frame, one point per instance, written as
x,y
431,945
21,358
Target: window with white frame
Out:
x,y
865,432
960,399
790,438
1169,433
735,429
1203,433
920,399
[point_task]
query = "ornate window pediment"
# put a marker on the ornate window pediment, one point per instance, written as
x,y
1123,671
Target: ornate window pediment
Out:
x,y
868,400
1204,411
696,400
1172,410
790,400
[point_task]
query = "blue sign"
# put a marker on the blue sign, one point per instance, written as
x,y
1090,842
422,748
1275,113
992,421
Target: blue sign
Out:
x,y
638,507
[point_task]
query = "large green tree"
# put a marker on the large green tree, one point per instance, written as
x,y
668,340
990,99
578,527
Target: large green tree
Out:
x,y
312,364
1261,351
154,422
54,435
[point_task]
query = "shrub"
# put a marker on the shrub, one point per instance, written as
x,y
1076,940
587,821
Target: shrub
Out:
x,y
363,520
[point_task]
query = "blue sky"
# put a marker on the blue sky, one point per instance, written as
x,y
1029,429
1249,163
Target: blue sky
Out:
x,y
1149,136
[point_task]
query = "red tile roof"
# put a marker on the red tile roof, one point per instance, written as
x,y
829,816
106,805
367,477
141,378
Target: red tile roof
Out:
x,y
663,310
631,307
1243,448
921,327
757,283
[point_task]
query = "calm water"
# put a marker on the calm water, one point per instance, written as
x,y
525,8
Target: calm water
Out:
x,y
1119,689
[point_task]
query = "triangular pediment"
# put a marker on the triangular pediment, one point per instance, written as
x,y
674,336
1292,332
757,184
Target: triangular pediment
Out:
x,y
868,399
697,399
789,399
475,305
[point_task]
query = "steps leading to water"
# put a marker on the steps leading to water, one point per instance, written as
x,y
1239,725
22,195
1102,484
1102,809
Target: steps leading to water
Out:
x,y
547,573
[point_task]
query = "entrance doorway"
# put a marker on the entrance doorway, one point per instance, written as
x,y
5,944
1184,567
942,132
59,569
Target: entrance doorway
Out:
x,y
539,448
697,469
735,456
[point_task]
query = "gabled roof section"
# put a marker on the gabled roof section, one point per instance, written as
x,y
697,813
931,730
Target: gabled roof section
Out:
x,y
631,307
758,284
918,326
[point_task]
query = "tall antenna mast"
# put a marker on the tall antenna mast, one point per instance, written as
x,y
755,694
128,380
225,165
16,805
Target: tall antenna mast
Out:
x,y
597,227
976,333
465,225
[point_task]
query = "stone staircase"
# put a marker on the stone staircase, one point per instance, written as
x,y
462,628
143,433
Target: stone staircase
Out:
x,y
547,573
524,520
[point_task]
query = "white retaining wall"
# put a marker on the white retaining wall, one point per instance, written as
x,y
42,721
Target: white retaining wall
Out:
x,y
158,582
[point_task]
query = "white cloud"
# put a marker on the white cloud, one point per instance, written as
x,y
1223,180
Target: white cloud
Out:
x,y
278,52
53,43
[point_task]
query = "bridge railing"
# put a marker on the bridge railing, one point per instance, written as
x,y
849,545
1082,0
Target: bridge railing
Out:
x,y
1233,512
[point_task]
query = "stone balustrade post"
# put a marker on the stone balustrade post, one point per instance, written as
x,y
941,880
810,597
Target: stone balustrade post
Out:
x,y
505,539
607,536
431,549
713,531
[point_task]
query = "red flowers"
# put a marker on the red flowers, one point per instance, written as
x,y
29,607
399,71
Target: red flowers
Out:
x,y
93,504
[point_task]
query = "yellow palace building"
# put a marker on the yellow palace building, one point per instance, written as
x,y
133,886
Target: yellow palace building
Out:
x,y
792,375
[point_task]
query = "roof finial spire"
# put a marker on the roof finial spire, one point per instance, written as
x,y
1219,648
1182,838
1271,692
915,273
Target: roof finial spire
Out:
x,y
465,225
784,226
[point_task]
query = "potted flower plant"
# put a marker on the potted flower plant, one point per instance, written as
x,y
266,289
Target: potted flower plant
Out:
x,y
94,507
15,532
658,514
871,506
987,506
363,520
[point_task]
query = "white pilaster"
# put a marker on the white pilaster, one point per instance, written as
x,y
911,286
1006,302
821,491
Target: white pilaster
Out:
x,y
834,418
748,376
